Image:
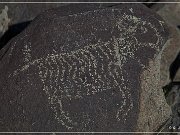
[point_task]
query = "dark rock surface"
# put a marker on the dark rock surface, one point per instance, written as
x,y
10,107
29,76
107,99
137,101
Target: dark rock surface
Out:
x,y
14,17
84,68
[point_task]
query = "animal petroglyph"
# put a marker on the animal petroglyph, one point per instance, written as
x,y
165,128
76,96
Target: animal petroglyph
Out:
x,y
92,70
82,73
83,70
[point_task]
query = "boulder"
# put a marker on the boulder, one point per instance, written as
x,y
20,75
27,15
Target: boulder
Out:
x,y
170,73
85,68
172,46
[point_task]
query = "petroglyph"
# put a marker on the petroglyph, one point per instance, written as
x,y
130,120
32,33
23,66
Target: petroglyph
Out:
x,y
84,68
27,52
91,70
65,76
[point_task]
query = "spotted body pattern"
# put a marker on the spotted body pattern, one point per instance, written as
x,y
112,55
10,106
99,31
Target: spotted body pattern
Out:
x,y
83,73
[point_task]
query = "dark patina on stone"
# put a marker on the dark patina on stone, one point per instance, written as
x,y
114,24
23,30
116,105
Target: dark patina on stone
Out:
x,y
79,69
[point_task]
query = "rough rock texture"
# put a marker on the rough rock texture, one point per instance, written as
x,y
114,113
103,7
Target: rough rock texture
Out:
x,y
4,20
85,69
170,13
15,17
170,63
22,12
170,52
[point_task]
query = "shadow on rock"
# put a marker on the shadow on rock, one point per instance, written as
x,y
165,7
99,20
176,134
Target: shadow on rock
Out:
x,y
172,95
174,67
12,32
